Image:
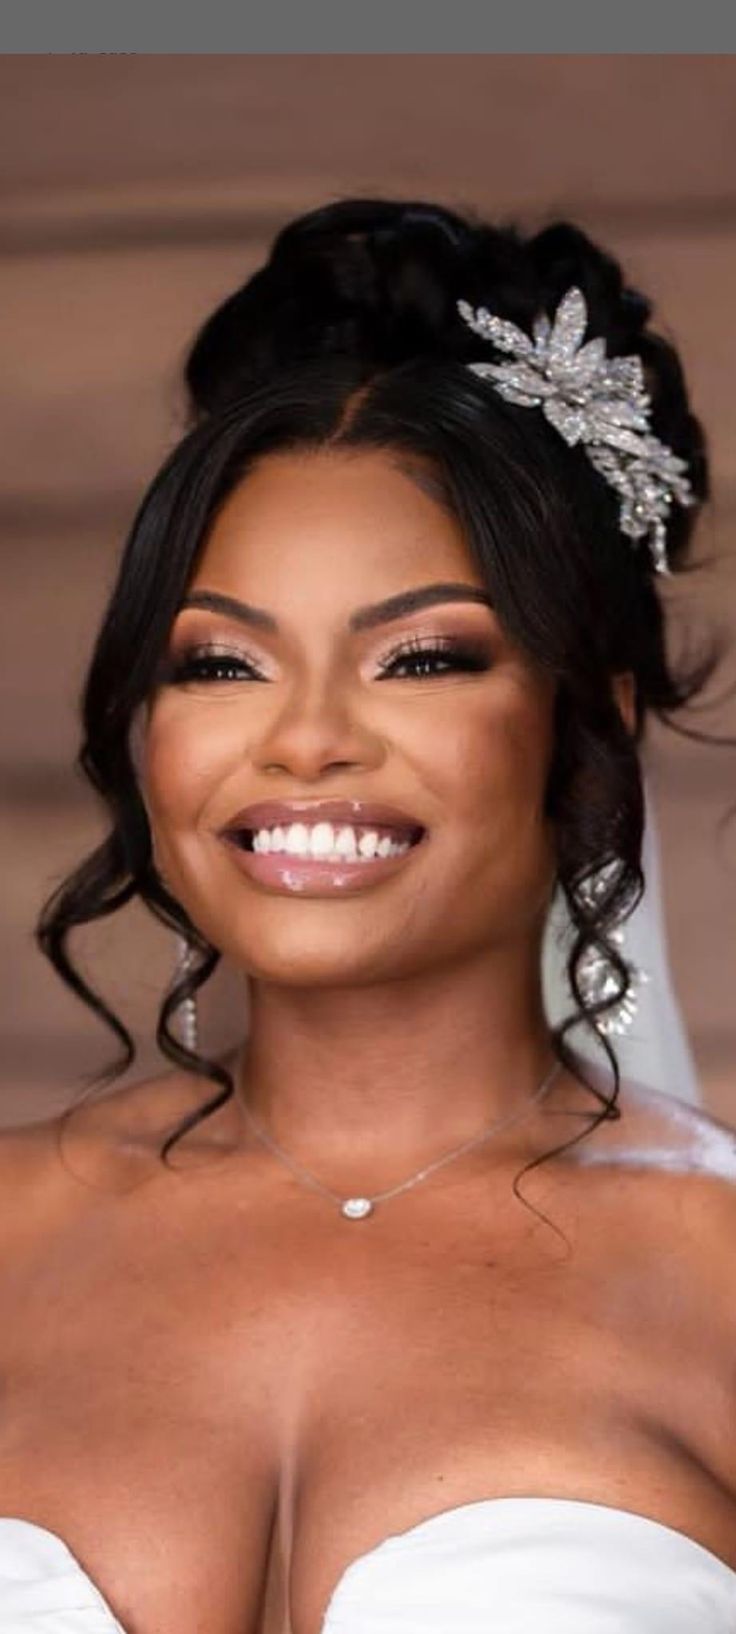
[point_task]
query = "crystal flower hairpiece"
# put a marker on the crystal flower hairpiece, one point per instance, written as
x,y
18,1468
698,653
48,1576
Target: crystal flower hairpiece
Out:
x,y
591,399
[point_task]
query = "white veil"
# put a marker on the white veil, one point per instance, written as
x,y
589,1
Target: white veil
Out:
x,y
653,1050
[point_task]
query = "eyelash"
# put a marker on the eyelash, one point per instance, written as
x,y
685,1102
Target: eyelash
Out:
x,y
199,663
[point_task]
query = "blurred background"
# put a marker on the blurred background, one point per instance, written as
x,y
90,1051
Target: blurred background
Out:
x,y
137,192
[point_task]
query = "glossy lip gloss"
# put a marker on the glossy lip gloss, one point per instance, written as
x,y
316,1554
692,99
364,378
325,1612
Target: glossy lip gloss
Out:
x,y
306,876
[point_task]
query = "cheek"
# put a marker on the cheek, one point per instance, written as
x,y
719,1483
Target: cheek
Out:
x,y
184,758
490,760
490,774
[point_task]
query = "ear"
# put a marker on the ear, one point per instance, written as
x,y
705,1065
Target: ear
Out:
x,y
623,687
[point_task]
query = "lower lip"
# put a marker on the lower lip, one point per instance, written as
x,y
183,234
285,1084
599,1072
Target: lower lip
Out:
x,y
303,876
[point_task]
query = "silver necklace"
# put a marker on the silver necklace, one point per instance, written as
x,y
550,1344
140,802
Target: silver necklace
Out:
x,y
357,1208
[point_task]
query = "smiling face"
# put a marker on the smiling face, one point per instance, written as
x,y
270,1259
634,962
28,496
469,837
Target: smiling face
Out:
x,y
434,712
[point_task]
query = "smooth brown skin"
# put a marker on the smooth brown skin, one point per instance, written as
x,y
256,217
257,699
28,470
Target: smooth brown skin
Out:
x,y
217,1391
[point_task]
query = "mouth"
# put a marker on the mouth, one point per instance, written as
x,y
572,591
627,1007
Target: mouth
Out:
x,y
327,842
322,857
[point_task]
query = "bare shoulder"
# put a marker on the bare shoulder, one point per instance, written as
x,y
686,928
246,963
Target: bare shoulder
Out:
x,y
24,1160
42,1161
683,1160
672,1172
662,1134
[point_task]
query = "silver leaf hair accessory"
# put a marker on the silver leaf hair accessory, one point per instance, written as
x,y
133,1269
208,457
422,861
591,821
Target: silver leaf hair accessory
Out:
x,y
592,399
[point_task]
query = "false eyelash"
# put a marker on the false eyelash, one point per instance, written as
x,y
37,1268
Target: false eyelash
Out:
x,y
459,655
199,663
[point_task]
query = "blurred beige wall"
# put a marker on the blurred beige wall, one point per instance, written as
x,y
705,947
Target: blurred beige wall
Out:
x,y
137,191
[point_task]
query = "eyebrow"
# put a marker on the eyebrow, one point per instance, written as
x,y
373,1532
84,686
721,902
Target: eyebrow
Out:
x,y
364,618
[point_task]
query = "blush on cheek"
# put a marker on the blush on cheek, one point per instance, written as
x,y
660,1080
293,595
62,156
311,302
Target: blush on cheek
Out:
x,y
185,763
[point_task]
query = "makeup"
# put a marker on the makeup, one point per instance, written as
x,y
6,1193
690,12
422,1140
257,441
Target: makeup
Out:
x,y
308,875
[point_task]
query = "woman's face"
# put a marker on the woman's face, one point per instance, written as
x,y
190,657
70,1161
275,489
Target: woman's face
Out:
x,y
311,700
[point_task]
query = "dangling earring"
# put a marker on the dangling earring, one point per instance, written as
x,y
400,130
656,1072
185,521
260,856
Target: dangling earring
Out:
x,y
185,1014
598,980
596,977
186,1010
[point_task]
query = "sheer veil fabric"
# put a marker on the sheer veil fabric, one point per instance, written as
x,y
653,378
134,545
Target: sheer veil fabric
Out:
x,y
654,1049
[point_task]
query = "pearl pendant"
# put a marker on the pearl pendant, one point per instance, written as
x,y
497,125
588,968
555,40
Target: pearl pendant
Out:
x,y
356,1208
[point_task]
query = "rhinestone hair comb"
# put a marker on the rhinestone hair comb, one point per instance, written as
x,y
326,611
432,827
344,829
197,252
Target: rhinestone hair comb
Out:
x,y
591,399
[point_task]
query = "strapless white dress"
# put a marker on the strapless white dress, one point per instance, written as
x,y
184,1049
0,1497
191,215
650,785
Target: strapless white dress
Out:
x,y
498,1566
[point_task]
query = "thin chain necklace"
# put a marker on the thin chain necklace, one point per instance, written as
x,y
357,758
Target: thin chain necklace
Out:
x,y
357,1208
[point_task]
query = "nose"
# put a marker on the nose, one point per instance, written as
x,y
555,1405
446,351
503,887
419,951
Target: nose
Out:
x,y
317,731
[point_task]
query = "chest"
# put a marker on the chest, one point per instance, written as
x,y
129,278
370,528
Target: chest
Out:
x,y
220,1410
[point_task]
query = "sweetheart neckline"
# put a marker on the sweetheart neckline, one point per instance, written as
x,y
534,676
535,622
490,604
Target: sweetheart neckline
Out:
x,y
409,1533
539,1501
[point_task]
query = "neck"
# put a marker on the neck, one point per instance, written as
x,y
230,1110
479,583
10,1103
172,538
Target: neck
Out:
x,y
395,1073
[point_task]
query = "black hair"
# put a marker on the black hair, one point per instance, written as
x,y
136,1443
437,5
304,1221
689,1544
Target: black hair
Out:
x,y
349,337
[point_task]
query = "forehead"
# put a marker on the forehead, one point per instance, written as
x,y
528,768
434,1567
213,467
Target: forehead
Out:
x,y
352,519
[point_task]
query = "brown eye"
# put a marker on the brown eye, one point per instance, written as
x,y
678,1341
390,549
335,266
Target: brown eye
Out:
x,y
207,664
433,658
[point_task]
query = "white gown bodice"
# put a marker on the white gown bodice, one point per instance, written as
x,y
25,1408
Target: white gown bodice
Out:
x,y
498,1566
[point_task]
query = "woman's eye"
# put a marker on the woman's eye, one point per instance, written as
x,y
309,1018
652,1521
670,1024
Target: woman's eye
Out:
x,y
414,660
202,664
437,658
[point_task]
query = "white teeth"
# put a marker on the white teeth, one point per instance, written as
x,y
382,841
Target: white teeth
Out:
x,y
296,841
346,843
322,840
326,842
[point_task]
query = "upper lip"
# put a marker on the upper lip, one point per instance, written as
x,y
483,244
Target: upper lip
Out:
x,y
269,813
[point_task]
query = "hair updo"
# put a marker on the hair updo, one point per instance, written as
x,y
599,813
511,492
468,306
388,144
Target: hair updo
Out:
x,y
349,337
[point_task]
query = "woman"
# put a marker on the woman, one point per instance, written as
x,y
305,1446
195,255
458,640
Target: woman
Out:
x,y
291,1346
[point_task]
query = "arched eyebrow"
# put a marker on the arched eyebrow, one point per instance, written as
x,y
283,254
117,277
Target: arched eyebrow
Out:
x,y
363,618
